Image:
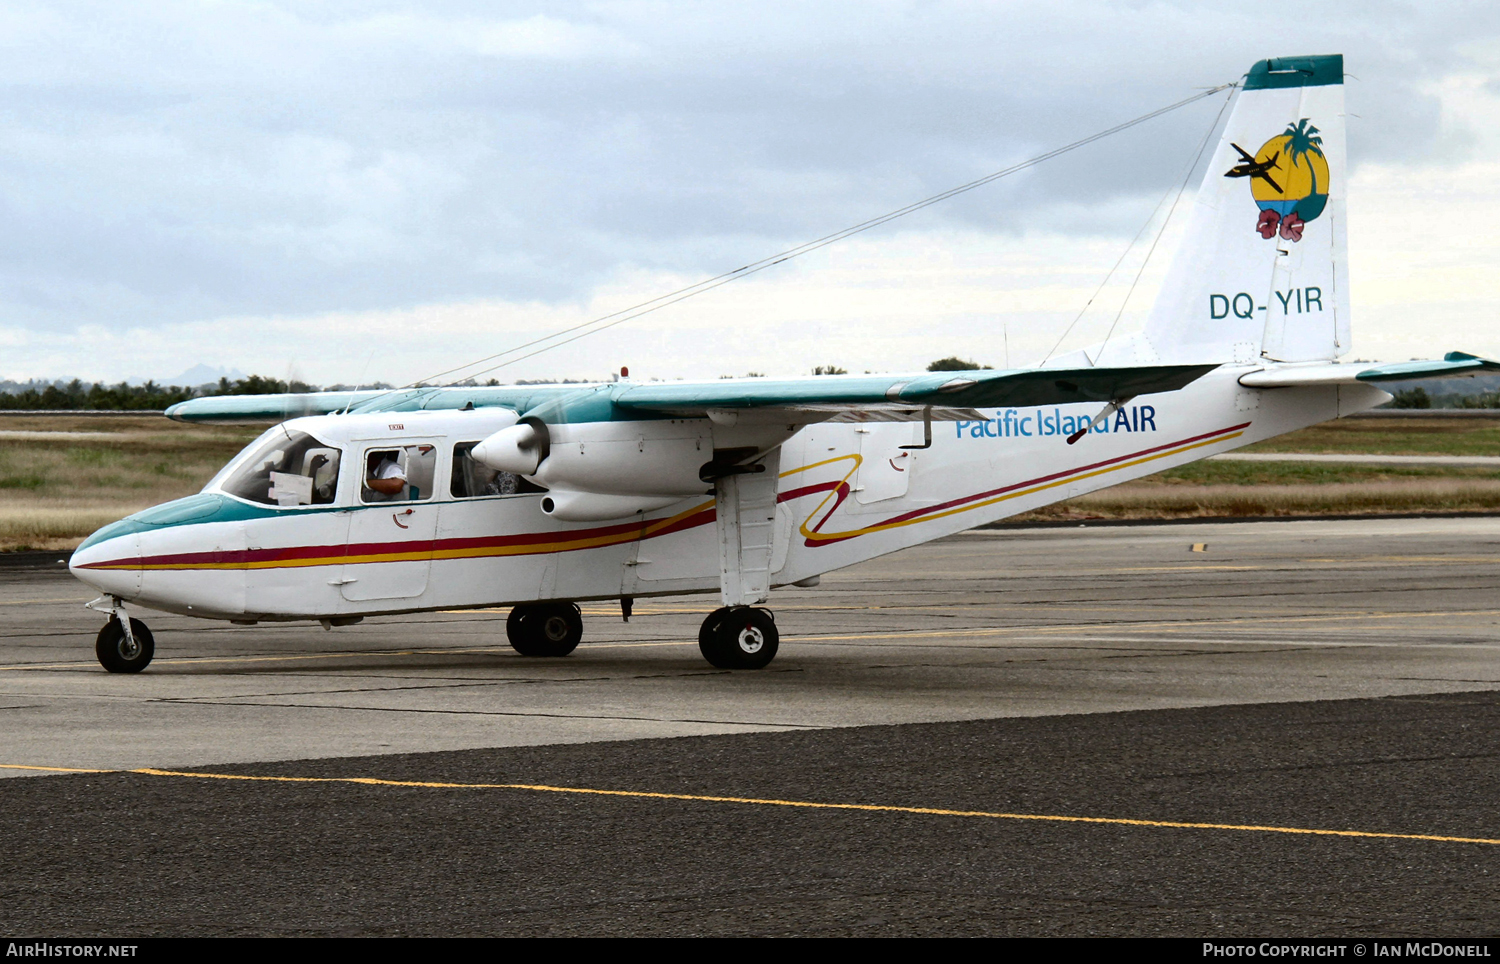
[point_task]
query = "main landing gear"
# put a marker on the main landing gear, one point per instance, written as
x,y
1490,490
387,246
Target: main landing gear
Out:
x,y
544,629
731,637
739,637
122,652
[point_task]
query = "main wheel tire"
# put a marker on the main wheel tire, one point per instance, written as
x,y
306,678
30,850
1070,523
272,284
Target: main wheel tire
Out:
x,y
120,655
739,638
544,629
710,626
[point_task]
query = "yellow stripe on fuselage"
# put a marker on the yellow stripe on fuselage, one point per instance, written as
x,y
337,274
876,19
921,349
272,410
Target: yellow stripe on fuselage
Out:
x,y
422,555
652,528
1030,490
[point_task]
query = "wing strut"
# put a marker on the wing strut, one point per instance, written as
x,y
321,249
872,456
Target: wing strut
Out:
x,y
745,520
1109,410
926,430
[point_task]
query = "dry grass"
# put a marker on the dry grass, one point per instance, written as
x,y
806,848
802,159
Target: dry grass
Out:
x,y
54,527
55,491
1211,472
1145,500
1210,489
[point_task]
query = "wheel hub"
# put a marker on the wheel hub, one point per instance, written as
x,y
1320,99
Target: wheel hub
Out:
x,y
751,640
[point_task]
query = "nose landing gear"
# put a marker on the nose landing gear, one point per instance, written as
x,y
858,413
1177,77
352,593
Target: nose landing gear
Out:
x,y
739,637
124,652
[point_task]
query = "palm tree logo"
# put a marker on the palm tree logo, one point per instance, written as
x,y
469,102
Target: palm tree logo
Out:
x,y
1303,138
1288,179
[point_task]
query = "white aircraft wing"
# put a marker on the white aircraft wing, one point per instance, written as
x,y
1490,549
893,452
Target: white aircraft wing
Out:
x,y
897,397
948,395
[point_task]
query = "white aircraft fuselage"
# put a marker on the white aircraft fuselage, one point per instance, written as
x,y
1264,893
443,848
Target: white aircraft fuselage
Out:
x,y
847,492
537,497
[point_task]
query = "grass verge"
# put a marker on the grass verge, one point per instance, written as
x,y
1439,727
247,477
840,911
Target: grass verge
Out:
x,y
1143,500
56,489
1393,436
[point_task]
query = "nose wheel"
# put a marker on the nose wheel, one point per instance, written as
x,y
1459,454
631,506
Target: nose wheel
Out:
x,y
544,629
122,652
739,637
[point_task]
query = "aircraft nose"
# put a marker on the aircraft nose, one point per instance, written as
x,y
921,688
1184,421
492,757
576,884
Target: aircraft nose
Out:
x,y
111,565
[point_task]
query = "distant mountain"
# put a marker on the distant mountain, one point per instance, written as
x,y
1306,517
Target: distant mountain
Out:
x,y
199,374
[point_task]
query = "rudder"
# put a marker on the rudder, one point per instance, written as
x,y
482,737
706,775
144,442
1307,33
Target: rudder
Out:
x,y
1262,273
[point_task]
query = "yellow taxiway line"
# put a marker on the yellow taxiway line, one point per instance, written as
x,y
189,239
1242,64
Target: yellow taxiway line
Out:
x,y
796,804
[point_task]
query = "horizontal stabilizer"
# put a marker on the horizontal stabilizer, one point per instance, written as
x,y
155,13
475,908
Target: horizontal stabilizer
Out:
x,y
1455,364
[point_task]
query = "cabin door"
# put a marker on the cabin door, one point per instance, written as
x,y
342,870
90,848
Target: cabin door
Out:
x,y
885,467
391,532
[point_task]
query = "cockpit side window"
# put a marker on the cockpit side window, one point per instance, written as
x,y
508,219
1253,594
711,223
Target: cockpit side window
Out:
x,y
287,469
473,479
402,474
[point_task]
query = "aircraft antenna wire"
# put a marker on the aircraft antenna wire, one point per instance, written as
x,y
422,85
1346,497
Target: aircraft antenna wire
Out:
x,y
605,322
1105,280
1187,177
1133,241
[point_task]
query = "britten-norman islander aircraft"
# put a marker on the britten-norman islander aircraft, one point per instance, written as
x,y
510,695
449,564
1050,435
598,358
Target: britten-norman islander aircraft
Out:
x,y
537,497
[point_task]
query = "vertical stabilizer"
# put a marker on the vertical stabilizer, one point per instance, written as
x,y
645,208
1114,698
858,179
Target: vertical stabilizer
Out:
x,y
1262,272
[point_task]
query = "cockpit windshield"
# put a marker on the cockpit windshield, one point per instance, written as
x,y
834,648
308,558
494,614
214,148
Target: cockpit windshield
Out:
x,y
286,468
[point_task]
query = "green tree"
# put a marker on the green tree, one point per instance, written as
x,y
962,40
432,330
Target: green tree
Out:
x,y
830,370
76,395
261,385
1412,398
955,364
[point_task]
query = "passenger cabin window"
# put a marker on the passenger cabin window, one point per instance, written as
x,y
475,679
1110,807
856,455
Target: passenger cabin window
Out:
x,y
403,474
473,479
287,469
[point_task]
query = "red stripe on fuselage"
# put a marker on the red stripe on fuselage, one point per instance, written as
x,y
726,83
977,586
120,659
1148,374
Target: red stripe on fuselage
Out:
x,y
335,554
617,533
944,506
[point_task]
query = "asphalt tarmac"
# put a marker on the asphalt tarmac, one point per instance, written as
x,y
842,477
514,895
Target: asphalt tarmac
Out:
x,y
1206,730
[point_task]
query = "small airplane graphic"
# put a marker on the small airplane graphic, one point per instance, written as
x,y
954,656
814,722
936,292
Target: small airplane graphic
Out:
x,y
1250,167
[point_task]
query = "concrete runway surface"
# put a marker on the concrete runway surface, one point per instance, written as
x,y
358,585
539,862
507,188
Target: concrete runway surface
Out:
x,y
916,761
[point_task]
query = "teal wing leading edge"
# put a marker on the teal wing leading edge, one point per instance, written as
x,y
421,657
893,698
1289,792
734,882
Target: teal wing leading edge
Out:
x,y
798,399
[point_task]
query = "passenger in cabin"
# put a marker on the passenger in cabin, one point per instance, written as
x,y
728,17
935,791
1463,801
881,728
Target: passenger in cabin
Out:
x,y
501,483
472,479
384,479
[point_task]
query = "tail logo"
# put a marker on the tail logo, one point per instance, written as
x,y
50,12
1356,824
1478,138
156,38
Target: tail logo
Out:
x,y
1288,179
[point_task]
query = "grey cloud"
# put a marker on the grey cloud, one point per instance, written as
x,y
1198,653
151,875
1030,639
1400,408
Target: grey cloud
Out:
x,y
170,163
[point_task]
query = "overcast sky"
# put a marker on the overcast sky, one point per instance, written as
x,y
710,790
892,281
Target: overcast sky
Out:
x,y
358,191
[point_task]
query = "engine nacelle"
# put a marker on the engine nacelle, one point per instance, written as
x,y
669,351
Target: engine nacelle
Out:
x,y
647,458
574,506
517,450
